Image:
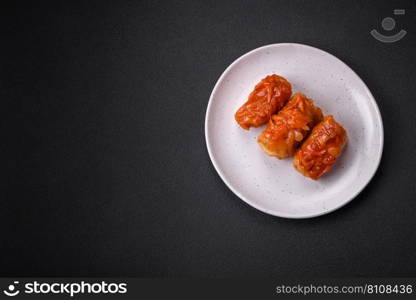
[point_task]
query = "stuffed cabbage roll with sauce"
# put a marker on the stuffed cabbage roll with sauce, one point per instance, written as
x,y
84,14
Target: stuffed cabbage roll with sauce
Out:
x,y
321,149
268,96
288,128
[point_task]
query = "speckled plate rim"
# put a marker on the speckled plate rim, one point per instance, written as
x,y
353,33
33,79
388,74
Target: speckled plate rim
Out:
x,y
255,205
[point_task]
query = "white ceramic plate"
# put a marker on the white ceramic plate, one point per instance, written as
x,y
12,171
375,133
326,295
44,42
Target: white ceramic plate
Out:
x,y
274,186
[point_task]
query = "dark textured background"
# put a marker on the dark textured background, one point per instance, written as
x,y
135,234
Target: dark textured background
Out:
x,y
105,164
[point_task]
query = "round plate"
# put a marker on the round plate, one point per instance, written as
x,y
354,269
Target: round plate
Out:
x,y
274,186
